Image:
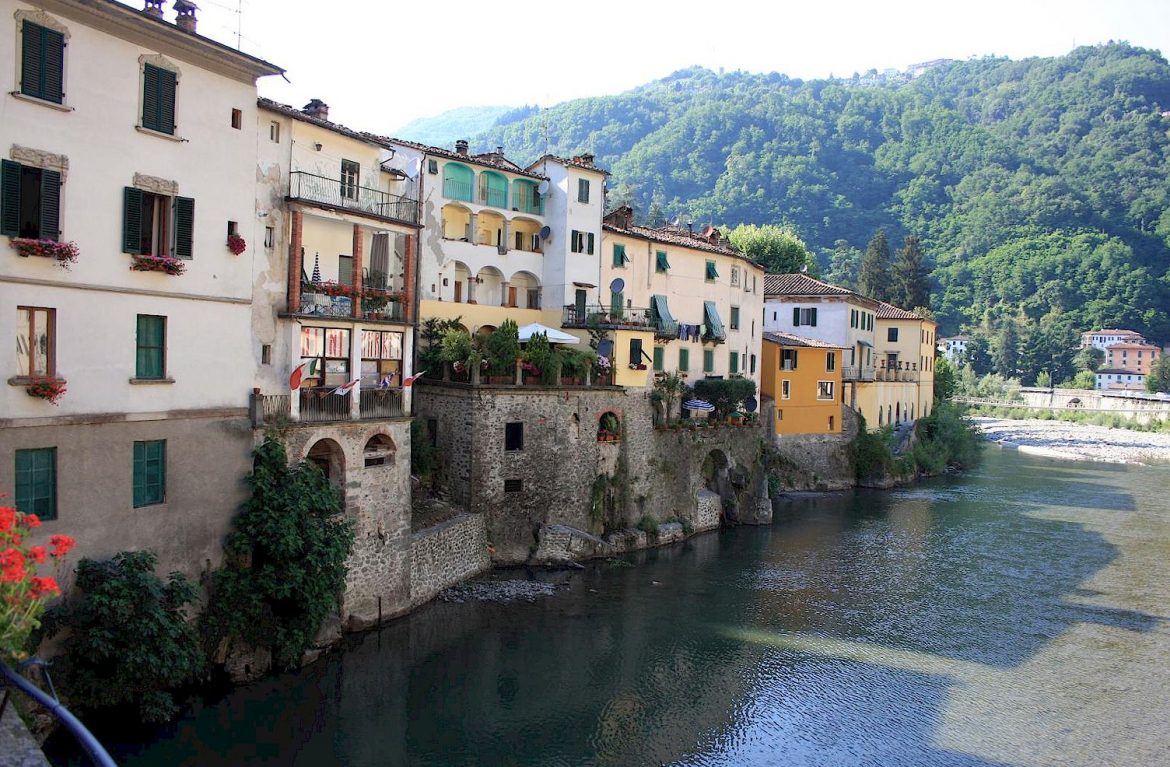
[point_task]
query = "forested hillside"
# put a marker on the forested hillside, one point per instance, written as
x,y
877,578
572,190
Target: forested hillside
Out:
x,y
1039,188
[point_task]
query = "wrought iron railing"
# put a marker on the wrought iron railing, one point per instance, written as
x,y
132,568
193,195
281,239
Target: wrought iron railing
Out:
x,y
605,316
322,305
335,192
456,190
380,403
322,405
524,204
497,198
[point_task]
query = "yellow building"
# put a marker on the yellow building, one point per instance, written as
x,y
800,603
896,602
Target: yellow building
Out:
x,y
802,378
903,389
675,300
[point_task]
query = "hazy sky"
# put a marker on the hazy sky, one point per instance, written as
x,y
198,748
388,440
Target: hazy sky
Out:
x,y
382,63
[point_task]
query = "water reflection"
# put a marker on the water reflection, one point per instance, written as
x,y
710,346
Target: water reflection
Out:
x,y
1008,617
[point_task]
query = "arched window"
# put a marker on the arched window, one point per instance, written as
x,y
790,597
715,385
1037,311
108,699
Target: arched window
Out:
x,y
493,189
458,182
525,198
609,428
379,451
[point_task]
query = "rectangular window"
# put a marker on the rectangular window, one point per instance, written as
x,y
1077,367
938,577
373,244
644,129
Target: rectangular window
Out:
x,y
711,273
514,435
779,414
788,359
345,269
36,482
617,306
433,167
660,262
830,361
269,236
265,354
158,99
684,360
513,485
589,245
804,317
636,354
852,318
157,225
752,369
734,320
150,472
325,357
36,341
824,390
832,423
237,119
891,334
42,62
659,358
582,190
30,201
381,358
733,363
150,360
274,132
575,240
786,389
735,276
619,255
708,361
350,175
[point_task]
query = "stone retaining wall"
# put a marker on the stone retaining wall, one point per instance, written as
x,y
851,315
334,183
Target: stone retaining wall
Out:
x,y
815,461
446,554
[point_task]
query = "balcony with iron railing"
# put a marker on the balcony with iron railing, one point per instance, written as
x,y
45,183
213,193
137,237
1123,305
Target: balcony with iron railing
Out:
x,y
324,405
496,198
523,204
857,373
343,195
575,316
335,300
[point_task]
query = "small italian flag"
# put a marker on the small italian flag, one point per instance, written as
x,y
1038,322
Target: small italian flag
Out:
x,y
294,380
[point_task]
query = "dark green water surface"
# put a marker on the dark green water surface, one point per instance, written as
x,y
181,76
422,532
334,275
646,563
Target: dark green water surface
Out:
x,y
1012,616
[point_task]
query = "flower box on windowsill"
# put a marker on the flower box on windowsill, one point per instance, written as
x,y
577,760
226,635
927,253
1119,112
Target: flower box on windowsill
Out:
x,y
47,388
165,264
63,253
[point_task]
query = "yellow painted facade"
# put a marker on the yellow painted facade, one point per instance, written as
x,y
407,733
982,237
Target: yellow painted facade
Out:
x,y
903,389
802,382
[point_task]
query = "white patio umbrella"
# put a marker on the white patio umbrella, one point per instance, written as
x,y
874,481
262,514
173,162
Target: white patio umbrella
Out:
x,y
699,404
554,336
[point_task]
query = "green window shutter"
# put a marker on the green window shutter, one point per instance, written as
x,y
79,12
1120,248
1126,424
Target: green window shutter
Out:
x,y
36,482
733,363
150,107
131,220
150,472
684,360
42,62
575,242
708,360
589,247
616,305
711,273
166,110
813,318
619,254
53,67
796,317
659,357
9,198
582,190
151,346
184,226
661,264
50,205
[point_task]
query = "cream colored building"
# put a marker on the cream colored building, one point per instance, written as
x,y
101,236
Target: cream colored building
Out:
x,y
135,140
903,389
676,300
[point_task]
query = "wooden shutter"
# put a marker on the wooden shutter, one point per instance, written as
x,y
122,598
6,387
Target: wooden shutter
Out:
x,y
52,66
813,317
166,100
32,59
796,317
50,205
589,248
659,354
184,226
9,198
733,363
150,106
131,220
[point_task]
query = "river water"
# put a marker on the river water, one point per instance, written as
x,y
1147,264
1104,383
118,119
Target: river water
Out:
x,y
1016,615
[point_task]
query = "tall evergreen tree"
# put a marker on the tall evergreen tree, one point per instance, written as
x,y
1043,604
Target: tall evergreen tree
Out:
x,y
1005,349
910,286
844,265
874,280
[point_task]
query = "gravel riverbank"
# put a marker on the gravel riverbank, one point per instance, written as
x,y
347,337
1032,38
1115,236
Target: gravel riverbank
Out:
x,y
1074,441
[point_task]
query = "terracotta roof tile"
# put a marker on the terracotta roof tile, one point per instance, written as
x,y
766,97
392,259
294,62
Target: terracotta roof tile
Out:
x,y
487,159
795,284
788,339
672,236
573,163
297,114
890,312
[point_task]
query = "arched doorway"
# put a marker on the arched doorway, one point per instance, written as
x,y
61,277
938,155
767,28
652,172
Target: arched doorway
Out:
x,y
379,451
328,456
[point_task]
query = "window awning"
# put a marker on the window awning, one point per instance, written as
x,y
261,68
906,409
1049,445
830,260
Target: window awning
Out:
x,y
711,273
664,324
583,285
711,317
865,343
662,264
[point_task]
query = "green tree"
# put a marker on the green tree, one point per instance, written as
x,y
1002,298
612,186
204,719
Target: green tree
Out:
x,y
844,265
284,564
910,278
777,248
1005,349
1158,379
1090,358
875,280
944,379
502,347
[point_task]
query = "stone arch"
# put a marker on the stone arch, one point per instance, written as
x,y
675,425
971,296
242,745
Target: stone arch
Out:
x,y
524,290
489,287
716,467
329,456
458,181
889,414
898,413
456,221
379,451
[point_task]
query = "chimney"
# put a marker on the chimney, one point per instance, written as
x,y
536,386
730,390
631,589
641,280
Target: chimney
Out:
x,y
461,147
186,18
587,159
500,149
154,8
317,108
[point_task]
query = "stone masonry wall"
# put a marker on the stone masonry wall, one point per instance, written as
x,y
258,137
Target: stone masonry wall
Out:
x,y
562,474
377,500
446,554
815,461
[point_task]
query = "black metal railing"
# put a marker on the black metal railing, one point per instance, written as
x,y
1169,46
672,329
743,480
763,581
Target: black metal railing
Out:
x,y
322,405
605,316
333,191
380,403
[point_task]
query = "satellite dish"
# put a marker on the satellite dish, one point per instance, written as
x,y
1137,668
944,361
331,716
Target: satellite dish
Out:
x,y
542,187
750,404
617,286
546,233
414,167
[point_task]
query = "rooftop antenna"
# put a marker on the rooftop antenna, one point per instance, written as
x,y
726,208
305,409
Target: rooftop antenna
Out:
x,y
239,22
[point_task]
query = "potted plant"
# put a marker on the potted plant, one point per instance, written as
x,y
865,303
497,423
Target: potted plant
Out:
x,y
46,388
164,264
236,244
63,253
502,348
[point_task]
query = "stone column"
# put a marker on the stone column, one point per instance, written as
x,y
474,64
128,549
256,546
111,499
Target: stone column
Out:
x,y
295,262
505,241
472,229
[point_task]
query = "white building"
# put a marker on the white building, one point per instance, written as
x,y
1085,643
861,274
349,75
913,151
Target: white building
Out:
x,y
1106,337
134,139
1119,379
954,348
